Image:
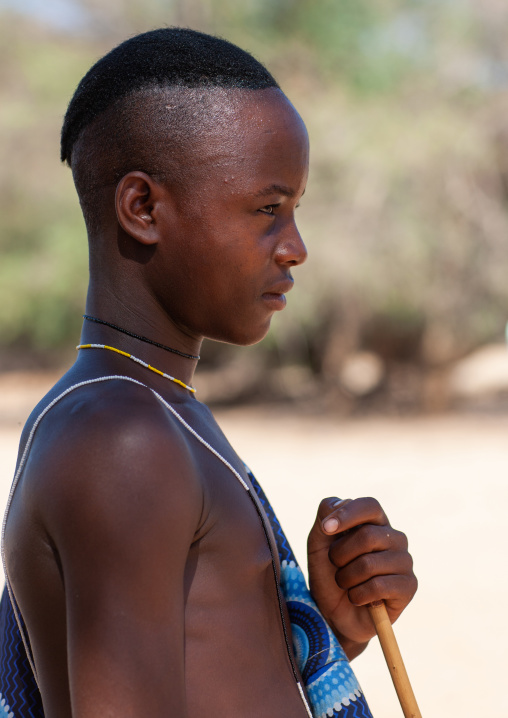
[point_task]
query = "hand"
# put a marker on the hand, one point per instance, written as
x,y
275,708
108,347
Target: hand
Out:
x,y
356,558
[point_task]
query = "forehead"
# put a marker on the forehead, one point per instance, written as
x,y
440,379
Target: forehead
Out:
x,y
249,136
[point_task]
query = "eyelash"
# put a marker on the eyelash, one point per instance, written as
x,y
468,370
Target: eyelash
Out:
x,y
272,208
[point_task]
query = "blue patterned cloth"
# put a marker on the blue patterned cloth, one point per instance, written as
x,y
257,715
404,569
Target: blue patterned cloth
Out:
x,y
19,695
331,685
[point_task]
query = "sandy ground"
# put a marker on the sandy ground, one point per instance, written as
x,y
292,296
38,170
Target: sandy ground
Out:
x,y
443,481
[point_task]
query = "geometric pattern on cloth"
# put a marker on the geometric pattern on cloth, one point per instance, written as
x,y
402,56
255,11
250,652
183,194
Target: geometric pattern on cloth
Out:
x,y
331,685
357,709
19,695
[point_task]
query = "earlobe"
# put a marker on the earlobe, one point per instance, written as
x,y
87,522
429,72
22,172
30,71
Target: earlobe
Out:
x,y
135,197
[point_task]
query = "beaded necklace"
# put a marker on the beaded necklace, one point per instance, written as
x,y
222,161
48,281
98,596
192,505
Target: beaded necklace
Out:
x,y
138,361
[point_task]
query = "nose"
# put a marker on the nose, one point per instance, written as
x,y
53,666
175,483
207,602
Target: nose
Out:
x,y
291,249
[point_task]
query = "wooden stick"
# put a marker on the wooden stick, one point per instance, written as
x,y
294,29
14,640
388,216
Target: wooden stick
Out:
x,y
394,660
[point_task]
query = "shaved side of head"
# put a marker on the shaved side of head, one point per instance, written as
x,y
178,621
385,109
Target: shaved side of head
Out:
x,y
146,104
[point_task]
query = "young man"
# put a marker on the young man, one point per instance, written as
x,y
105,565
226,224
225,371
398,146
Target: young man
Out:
x,y
140,558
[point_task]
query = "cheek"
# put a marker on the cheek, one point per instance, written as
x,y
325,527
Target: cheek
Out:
x,y
209,273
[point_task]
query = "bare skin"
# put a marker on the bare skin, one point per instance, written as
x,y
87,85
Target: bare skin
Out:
x,y
139,564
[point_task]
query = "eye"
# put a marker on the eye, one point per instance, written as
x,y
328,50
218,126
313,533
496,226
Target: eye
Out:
x,y
269,208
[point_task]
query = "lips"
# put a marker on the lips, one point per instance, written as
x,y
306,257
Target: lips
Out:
x,y
275,296
281,288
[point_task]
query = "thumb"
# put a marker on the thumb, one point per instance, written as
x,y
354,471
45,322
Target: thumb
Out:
x,y
327,524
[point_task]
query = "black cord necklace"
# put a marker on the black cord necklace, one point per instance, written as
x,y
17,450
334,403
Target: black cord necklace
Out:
x,y
137,336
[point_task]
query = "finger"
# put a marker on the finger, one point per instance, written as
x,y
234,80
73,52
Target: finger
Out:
x,y
350,513
395,591
371,565
318,538
365,539
331,521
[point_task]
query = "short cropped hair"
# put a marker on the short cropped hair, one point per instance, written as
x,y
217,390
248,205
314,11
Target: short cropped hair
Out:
x,y
115,123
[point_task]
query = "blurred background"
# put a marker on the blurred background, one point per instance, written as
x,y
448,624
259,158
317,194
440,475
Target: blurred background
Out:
x,y
387,374
405,216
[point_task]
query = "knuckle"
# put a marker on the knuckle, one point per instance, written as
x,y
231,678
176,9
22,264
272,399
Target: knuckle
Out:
x,y
367,537
408,565
400,540
366,564
402,563
374,510
374,505
413,585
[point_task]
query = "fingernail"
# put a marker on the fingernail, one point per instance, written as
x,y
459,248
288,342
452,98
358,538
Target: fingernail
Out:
x,y
331,525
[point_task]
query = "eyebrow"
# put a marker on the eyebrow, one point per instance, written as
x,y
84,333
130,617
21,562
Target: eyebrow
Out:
x,y
276,189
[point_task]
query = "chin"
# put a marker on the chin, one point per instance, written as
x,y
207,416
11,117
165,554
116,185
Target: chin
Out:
x,y
244,336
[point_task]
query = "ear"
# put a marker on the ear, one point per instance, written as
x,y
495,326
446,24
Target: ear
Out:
x,y
136,197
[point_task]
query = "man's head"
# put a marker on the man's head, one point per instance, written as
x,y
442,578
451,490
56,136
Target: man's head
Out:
x,y
189,162
116,121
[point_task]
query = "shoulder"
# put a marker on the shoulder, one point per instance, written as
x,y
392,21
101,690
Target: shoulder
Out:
x,y
112,451
118,413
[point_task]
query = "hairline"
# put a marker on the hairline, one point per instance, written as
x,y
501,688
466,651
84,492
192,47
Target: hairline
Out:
x,y
159,90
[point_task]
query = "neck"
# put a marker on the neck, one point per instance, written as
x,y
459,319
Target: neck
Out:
x,y
141,338
159,330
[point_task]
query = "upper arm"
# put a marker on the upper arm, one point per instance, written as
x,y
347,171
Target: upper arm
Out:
x,y
125,504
